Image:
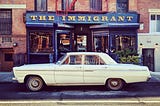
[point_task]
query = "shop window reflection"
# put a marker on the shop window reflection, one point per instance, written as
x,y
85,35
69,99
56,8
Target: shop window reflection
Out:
x,y
41,42
101,43
124,42
64,43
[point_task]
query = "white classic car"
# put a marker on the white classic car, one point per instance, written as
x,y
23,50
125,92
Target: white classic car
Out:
x,y
81,68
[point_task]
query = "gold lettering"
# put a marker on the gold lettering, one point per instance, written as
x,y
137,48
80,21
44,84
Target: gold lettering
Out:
x,y
129,18
121,18
33,17
113,18
42,18
104,18
89,18
95,18
71,18
63,18
81,18
50,18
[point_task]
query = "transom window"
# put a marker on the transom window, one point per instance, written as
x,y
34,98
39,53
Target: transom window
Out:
x,y
154,23
5,22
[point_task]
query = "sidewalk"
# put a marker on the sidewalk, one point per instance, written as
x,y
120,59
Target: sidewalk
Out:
x,y
7,77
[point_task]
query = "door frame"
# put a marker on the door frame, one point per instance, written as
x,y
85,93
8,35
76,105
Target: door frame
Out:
x,y
150,63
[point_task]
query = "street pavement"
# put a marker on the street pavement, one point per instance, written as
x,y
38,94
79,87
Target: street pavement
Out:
x,y
6,77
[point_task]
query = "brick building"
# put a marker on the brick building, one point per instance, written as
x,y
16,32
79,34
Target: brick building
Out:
x,y
39,31
149,33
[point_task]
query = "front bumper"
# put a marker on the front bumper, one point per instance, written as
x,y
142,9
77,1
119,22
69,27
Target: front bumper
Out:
x,y
14,80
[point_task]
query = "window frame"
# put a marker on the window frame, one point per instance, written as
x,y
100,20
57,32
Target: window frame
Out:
x,y
122,6
96,58
153,23
96,5
8,23
40,9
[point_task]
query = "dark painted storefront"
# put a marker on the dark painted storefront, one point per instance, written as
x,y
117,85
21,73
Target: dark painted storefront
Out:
x,y
50,36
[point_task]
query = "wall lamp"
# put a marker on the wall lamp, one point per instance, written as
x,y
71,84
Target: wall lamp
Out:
x,y
15,44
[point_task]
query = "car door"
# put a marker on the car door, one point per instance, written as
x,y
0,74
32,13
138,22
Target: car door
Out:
x,y
95,70
70,71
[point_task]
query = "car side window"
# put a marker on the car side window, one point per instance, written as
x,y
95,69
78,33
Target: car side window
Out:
x,y
73,60
93,60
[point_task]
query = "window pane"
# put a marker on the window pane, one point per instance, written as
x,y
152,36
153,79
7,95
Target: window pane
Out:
x,y
158,24
41,42
75,60
96,5
41,5
66,4
152,17
93,60
5,22
122,5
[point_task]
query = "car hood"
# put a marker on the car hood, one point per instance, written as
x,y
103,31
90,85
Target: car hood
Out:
x,y
130,67
35,67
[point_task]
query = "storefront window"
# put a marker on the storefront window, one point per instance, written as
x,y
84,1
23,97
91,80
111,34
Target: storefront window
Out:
x,y
123,42
41,42
101,44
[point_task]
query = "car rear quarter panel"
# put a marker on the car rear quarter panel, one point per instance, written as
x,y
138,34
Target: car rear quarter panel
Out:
x,y
130,76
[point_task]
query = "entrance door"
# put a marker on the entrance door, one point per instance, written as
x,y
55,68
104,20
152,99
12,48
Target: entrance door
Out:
x,y
81,43
148,58
6,60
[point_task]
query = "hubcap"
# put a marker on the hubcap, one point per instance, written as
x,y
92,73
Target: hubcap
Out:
x,y
114,83
35,83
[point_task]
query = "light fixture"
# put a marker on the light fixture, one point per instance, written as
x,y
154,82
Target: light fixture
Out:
x,y
15,44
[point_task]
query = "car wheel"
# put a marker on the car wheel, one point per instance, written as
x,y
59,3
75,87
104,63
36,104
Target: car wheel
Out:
x,y
115,84
34,83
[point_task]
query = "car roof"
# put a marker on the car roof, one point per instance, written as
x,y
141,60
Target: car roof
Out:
x,y
84,53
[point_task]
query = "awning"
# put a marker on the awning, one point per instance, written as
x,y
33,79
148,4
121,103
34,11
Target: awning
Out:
x,y
116,25
49,25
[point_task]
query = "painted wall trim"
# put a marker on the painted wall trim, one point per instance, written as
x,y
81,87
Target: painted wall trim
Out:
x,y
14,6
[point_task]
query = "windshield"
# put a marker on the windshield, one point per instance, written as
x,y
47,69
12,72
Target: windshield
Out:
x,y
60,59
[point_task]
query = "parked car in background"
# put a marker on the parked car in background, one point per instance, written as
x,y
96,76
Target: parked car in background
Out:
x,y
81,68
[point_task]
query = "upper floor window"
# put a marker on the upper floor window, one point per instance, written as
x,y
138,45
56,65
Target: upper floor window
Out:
x,y
5,22
41,5
122,6
96,5
66,5
155,23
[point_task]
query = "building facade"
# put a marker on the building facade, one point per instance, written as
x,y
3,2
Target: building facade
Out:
x,y
149,33
40,31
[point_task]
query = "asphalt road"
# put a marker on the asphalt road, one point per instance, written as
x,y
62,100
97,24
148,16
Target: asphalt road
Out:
x,y
12,91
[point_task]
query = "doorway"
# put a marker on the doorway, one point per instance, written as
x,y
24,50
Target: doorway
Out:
x,y
148,58
6,60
